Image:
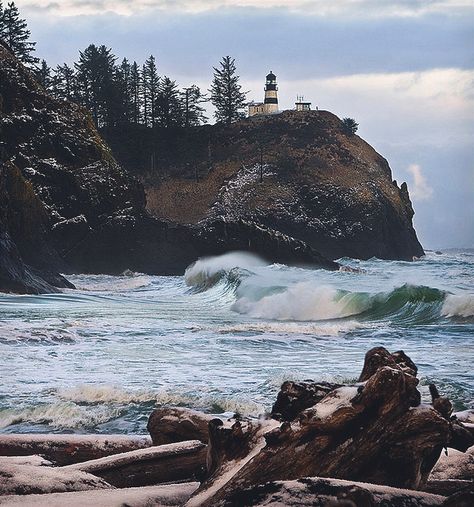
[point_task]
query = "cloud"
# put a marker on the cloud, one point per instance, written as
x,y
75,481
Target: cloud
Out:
x,y
420,190
320,8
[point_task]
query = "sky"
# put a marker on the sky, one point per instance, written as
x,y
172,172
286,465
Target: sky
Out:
x,y
404,69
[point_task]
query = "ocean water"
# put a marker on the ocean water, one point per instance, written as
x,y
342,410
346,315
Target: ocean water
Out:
x,y
225,336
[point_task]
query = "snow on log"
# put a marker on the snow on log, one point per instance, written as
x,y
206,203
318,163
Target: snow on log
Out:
x,y
322,492
181,461
66,449
168,425
34,460
27,479
169,495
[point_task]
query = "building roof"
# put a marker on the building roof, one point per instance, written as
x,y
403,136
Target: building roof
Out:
x,y
271,76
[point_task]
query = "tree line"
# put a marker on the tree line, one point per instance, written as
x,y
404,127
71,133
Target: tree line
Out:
x,y
125,92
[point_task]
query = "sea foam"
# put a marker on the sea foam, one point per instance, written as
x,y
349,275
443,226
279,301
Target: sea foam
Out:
x,y
458,305
303,302
208,269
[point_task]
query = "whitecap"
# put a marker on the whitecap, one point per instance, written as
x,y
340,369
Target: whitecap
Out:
x,y
458,305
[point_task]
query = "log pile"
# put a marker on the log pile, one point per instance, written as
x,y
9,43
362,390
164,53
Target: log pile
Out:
x,y
365,444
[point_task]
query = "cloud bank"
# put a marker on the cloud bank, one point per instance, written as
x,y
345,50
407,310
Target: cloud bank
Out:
x,y
321,8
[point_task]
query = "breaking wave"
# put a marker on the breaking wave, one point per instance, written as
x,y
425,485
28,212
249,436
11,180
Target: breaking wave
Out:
x,y
208,271
458,306
265,295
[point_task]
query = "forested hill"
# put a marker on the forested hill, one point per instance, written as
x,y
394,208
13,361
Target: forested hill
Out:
x,y
300,173
66,205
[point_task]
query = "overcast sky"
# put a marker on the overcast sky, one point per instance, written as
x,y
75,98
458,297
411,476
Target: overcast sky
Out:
x,y
404,69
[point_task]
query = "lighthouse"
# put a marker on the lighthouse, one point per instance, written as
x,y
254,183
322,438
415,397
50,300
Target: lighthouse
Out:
x,y
270,103
271,97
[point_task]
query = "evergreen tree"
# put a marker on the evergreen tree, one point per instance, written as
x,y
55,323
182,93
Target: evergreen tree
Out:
x,y
43,75
64,83
168,106
97,85
349,126
193,112
135,93
124,92
150,91
14,31
226,92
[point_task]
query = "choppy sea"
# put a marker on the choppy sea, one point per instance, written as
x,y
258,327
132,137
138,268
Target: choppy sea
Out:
x,y
223,337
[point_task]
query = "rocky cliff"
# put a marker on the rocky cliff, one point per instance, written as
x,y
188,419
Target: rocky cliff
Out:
x,y
296,172
67,206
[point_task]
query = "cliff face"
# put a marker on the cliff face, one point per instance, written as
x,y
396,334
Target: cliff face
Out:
x,y
331,190
67,206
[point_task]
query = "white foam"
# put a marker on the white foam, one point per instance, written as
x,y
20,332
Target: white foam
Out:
x,y
59,415
111,395
302,302
285,328
207,267
458,305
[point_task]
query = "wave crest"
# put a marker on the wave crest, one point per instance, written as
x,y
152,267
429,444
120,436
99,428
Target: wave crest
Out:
x,y
458,306
208,271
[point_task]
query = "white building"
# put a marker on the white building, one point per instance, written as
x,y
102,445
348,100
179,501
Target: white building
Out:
x,y
301,105
270,104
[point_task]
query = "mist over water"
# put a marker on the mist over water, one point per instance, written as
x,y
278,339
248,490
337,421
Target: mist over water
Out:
x,y
224,337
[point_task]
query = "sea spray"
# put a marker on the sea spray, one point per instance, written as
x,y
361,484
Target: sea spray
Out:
x,y
458,306
303,302
207,271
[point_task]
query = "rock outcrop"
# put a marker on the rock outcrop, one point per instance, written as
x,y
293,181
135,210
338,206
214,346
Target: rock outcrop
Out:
x,y
296,172
67,206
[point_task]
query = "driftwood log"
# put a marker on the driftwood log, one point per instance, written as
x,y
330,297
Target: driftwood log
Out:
x,y
28,479
323,492
68,449
169,495
168,425
183,461
375,431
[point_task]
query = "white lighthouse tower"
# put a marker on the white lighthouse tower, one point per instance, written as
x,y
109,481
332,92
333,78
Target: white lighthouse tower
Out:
x,y
270,103
271,97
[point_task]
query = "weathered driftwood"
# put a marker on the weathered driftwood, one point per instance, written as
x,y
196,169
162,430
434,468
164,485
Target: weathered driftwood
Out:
x,y
446,487
375,431
169,495
29,479
296,396
168,425
182,461
67,449
454,465
324,492
25,460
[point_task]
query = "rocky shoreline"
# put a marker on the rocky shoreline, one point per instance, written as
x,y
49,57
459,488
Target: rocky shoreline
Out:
x,y
366,444
67,206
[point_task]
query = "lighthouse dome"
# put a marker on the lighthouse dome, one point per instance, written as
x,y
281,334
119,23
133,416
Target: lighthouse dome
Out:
x,y
271,76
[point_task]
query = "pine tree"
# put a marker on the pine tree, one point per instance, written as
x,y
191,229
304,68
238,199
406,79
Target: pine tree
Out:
x,y
349,126
168,106
124,93
150,91
64,83
226,94
135,93
43,75
14,31
193,112
97,85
